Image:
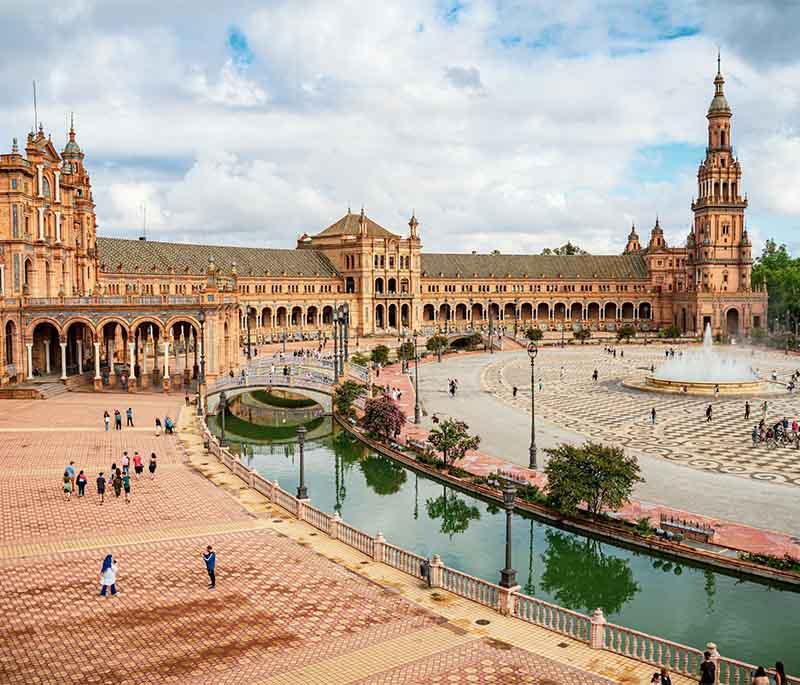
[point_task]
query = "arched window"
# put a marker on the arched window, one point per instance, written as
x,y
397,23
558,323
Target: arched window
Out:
x,y
722,138
10,342
45,187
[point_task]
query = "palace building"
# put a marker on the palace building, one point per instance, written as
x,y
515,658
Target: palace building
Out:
x,y
79,307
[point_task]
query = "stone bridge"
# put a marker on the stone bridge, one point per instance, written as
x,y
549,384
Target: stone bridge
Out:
x,y
311,384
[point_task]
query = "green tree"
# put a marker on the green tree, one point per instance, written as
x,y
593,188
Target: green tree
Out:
x,y
670,332
566,249
626,332
380,355
405,352
437,344
359,358
581,577
345,396
781,273
534,334
597,475
382,417
452,439
383,475
454,512
582,334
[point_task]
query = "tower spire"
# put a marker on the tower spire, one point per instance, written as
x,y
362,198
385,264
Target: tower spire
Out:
x,y
719,62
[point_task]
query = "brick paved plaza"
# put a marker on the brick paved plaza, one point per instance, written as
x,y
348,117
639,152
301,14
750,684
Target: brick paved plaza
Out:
x,y
290,606
610,412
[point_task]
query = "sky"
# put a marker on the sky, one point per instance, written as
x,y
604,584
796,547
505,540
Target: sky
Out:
x,y
502,124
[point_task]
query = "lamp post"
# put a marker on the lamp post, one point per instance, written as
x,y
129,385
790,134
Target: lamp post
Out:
x,y
335,346
201,378
247,324
302,492
533,350
346,325
223,400
417,411
508,575
516,316
491,330
284,341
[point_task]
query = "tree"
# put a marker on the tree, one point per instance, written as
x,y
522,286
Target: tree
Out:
x,y
781,273
600,476
534,334
382,474
405,352
670,332
359,358
380,355
382,417
437,344
566,249
345,396
582,334
626,332
452,439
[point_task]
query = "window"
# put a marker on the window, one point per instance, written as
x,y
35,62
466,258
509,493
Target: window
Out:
x,y
13,184
14,221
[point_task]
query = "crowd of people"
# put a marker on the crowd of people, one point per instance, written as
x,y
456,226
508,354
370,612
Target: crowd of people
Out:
x,y
118,478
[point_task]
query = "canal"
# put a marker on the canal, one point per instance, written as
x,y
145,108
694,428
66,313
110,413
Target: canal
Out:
x,y
749,620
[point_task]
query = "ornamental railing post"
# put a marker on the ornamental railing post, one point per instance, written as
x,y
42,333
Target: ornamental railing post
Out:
x,y
597,630
436,570
377,547
335,521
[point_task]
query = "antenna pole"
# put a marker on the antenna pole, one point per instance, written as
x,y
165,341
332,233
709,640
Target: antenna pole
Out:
x,y
35,110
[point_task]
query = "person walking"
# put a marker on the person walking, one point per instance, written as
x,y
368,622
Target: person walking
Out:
x,y
708,670
117,420
138,466
661,678
70,471
151,467
760,677
108,576
81,482
158,426
126,486
129,417
653,416
106,419
116,483
66,484
126,462
716,392
514,391
210,557
764,410
746,410
708,414
101,487
780,674
594,376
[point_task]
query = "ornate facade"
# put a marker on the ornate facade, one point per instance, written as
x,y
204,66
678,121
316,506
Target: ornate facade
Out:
x,y
72,302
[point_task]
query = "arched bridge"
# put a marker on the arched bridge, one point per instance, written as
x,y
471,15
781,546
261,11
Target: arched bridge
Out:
x,y
311,384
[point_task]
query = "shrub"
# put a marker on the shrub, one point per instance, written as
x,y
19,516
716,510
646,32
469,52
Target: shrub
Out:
x,y
534,334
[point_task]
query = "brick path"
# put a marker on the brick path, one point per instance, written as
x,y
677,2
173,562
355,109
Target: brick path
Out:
x,y
291,605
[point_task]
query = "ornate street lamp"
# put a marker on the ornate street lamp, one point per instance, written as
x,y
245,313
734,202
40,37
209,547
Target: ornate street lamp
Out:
x,y
223,403
284,341
247,324
508,576
201,378
491,330
344,319
417,411
302,492
335,345
516,316
532,352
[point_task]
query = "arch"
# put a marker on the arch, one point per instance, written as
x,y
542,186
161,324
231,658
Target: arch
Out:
x,y
404,286
593,311
576,311
10,330
405,318
349,284
379,317
560,311
297,315
27,276
327,314
526,311
252,316
391,285
477,311
428,312
509,310
646,311
379,286
311,316
610,311
627,311
46,353
42,319
683,319
112,333
266,317
543,311
392,316
183,332
281,317
732,321
461,312
444,312
494,311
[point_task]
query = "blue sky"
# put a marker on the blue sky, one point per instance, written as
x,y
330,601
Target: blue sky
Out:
x,y
505,124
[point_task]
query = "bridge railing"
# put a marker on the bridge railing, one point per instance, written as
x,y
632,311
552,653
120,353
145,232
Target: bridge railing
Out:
x,y
306,381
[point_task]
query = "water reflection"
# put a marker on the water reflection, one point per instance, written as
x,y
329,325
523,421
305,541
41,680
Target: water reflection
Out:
x,y
579,575
455,513
383,475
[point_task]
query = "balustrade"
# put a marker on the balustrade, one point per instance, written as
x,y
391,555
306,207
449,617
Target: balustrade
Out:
x,y
552,617
476,589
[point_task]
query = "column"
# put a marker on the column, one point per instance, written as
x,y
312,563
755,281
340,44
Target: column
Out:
x,y
110,355
132,358
57,174
41,222
96,361
80,356
47,356
39,184
63,360
58,226
166,360
29,347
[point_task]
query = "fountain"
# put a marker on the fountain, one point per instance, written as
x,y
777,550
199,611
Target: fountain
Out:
x,y
700,371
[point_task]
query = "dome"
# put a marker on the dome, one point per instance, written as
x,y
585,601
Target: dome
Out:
x,y
72,148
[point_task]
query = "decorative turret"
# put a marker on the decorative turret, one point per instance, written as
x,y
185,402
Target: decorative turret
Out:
x,y
412,224
14,147
633,242
657,241
72,149
362,222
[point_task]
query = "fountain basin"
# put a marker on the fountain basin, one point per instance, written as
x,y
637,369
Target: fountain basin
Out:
x,y
743,387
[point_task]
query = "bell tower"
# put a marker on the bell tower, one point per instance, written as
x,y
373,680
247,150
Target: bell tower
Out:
x,y
720,249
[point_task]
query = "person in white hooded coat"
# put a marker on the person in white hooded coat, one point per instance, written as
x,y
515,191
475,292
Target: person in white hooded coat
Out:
x,y
108,576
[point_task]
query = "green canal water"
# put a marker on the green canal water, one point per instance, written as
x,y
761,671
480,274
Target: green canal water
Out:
x,y
758,622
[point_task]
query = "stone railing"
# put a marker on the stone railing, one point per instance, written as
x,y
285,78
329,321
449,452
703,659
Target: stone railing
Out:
x,y
592,630
359,373
308,381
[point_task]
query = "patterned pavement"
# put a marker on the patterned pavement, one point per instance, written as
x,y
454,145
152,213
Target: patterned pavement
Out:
x,y
290,606
609,412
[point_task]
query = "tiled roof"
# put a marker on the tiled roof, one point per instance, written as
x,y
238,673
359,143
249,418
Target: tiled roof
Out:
x,y
349,225
534,266
147,256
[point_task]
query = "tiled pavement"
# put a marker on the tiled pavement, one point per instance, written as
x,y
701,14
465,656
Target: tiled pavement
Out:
x,y
291,606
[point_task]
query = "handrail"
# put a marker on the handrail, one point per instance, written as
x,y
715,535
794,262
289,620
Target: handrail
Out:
x,y
356,538
476,589
652,650
553,617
